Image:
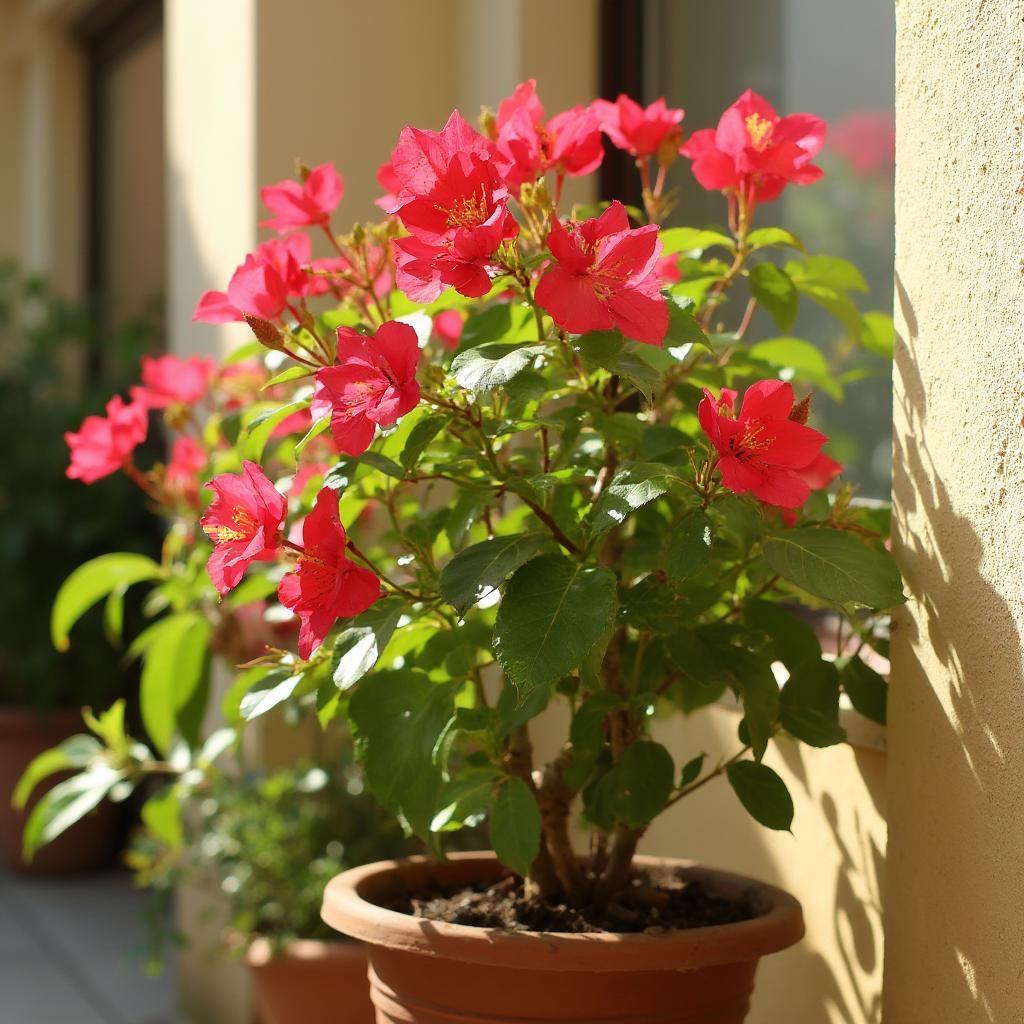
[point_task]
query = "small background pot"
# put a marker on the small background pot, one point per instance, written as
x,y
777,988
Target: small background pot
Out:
x,y
310,982
90,843
428,972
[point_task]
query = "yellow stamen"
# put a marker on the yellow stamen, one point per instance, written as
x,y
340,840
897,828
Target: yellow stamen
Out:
x,y
760,131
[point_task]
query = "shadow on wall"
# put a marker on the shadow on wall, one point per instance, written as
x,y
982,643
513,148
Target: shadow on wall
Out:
x,y
956,725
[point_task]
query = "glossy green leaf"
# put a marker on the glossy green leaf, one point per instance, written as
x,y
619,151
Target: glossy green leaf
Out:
x,y
359,647
638,786
762,793
691,770
74,752
487,367
836,566
474,572
793,641
631,488
502,322
867,690
422,434
91,582
398,719
553,613
693,240
515,826
810,704
779,238
689,548
255,435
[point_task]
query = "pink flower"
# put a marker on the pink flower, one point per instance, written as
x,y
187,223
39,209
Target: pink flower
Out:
x,y
570,143
306,472
389,181
754,153
262,285
325,585
866,139
761,450
168,380
667,269
103,444
605,278
244,522
306,205
188,459
448,327
642,131
373,385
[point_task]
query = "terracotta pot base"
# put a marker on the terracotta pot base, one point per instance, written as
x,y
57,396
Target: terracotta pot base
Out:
x,y
310,983
429,972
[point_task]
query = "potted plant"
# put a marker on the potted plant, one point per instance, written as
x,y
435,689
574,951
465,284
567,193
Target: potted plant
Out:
x,y
52,375
273,841
594,490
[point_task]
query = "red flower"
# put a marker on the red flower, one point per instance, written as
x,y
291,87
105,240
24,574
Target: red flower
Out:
x,y
570,143
244,522
262,285
820,472
169,380
325,586
389,181
188,459
867,140
373,385
755,153
452,200
667,269
643,131
305,205
103,444
761,451
448,326
605,277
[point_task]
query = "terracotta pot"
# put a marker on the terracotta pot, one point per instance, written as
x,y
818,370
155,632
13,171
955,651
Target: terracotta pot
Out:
x,y
310,982
87,845
428,972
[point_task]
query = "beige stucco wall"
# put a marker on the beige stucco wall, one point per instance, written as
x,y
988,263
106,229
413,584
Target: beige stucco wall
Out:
x,y
955,901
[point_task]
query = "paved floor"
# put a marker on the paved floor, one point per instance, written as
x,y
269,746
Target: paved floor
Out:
x,y
69,954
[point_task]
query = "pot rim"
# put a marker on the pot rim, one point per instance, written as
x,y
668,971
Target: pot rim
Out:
x,y
347,907
261,950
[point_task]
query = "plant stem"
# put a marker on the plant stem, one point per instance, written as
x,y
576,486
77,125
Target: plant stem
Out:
x,y
721,768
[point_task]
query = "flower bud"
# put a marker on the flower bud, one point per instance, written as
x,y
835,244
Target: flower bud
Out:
x,y
266,332
488,123
802,409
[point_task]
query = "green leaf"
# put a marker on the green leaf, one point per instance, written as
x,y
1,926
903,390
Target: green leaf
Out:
x,y
683,328
504,321
778,238
113,616
359,647
704,674
878,334
422,434
255,435
286,376
161,814
383,464
608,350
689,550
791,353
810,704
831,271
69,801
836,566
691,770
473,573
693,240
587,735
487,367
176,664
631,488
867,690
759,691
762,793
638,786
464,798
318,427
398,718
92,581
516,826
271,691
553,612
74,752
775,291
792,639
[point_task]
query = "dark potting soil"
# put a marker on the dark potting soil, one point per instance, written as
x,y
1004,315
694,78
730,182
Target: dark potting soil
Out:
x,y
654,902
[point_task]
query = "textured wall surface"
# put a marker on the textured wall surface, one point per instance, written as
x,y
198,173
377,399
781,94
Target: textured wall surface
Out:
x,y
955,886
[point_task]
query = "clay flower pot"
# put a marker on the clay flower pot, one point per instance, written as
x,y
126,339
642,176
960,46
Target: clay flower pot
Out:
x,y
89,843
310,981
427,972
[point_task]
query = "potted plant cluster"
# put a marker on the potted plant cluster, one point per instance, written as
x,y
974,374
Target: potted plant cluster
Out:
x,y
589,489
53,373
273,841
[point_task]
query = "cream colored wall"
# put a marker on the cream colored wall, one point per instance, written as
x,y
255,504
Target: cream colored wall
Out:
x,y
955,904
